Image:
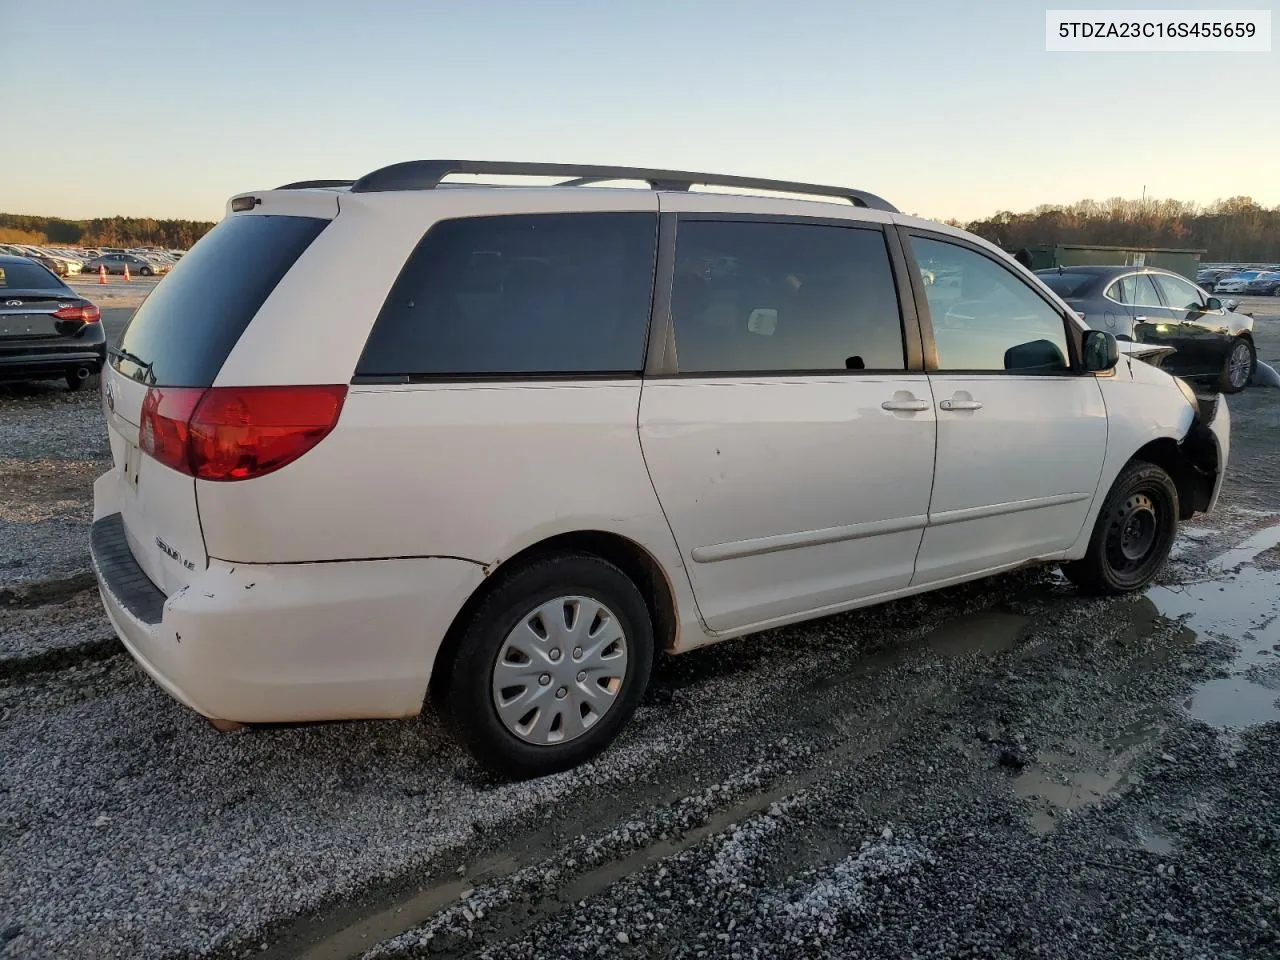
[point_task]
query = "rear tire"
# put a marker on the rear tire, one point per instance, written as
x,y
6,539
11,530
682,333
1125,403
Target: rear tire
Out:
x,y
1133,535
1238,366
74,383
508,622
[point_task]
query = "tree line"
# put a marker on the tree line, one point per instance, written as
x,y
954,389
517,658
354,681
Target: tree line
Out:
x,y
103,232
1235,229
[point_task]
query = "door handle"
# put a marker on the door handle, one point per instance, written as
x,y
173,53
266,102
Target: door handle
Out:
x,y
960,405
905,405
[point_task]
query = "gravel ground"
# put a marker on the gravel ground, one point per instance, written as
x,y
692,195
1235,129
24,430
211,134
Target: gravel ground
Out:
x,y
1001,769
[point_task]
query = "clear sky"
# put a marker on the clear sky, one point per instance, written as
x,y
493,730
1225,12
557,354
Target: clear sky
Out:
x,y
947,108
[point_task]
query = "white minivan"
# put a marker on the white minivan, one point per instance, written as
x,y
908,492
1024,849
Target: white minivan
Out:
x,y
502,443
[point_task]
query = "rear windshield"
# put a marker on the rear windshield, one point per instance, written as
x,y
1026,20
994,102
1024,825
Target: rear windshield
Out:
x,y
1067,284
27,276
184,331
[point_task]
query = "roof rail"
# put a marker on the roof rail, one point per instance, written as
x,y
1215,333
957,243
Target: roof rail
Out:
x,y
308,184
427,174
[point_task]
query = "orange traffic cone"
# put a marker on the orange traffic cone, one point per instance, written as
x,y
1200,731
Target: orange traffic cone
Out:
x,y
102,273
126,272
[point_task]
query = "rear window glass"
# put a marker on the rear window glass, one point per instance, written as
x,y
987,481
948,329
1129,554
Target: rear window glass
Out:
x,y
184,331
518,295
27,276
1067,284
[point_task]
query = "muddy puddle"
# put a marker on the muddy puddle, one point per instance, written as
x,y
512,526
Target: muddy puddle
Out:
x,y
1237,604
1058,785
984,633
1240,605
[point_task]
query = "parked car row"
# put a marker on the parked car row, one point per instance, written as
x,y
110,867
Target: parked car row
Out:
x,y
61,262
1254,281
72,261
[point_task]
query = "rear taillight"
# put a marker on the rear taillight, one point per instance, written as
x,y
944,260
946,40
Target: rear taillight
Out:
x,y
86,312
236,433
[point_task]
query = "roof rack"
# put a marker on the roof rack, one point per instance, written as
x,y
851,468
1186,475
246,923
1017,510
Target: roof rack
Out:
x,y
315,184
427,175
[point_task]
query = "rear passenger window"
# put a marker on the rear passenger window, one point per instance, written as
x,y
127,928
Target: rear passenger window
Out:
x,y
758,296
524,294
1136,290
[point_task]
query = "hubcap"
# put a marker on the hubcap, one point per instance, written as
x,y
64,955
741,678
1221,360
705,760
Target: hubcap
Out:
x,y
545,697
1238,365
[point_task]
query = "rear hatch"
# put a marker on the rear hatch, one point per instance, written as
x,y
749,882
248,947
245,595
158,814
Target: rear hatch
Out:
x,y
173,347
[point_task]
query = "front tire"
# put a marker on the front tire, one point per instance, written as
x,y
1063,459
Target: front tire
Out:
x,y
1238,366
550,666
145,272
1133,535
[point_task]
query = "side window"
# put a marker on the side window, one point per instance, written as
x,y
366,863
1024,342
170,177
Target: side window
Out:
x,y
1135,290
529,294
760,296
1179,294
986,318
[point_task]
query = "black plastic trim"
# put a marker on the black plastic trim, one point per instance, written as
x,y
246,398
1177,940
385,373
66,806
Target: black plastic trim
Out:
x,y
660,356
427,175
119,573
902,275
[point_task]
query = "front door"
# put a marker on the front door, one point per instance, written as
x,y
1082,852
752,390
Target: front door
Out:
x,y
1199,335
1021,435
789,444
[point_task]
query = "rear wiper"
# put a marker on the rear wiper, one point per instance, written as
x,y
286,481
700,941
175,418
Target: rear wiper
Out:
x,y
121,354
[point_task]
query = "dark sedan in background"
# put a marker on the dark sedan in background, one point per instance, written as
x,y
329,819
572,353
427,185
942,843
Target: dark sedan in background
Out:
x,y
46,330
1150,305
1264,285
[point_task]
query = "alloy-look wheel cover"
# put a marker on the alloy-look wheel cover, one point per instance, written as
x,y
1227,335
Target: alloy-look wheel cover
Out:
x,y
1238,365
560,670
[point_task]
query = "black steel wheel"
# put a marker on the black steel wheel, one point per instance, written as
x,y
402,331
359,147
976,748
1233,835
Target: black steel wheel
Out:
x,y
1133,535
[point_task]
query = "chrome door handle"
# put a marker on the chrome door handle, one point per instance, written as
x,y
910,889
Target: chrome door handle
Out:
x,y
960,405
905,405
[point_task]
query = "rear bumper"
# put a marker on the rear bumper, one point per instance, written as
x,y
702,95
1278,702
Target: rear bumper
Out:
x,y
53,357
283,643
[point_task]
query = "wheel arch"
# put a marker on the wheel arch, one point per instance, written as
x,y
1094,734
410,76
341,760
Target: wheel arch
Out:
x,y
1191,463
640,566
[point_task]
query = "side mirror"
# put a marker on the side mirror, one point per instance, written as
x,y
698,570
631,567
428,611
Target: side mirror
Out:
x,y
1214,304
1101,352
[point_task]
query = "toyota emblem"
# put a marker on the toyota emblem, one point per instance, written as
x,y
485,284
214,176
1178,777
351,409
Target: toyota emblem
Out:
x,y
109,394
13,303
